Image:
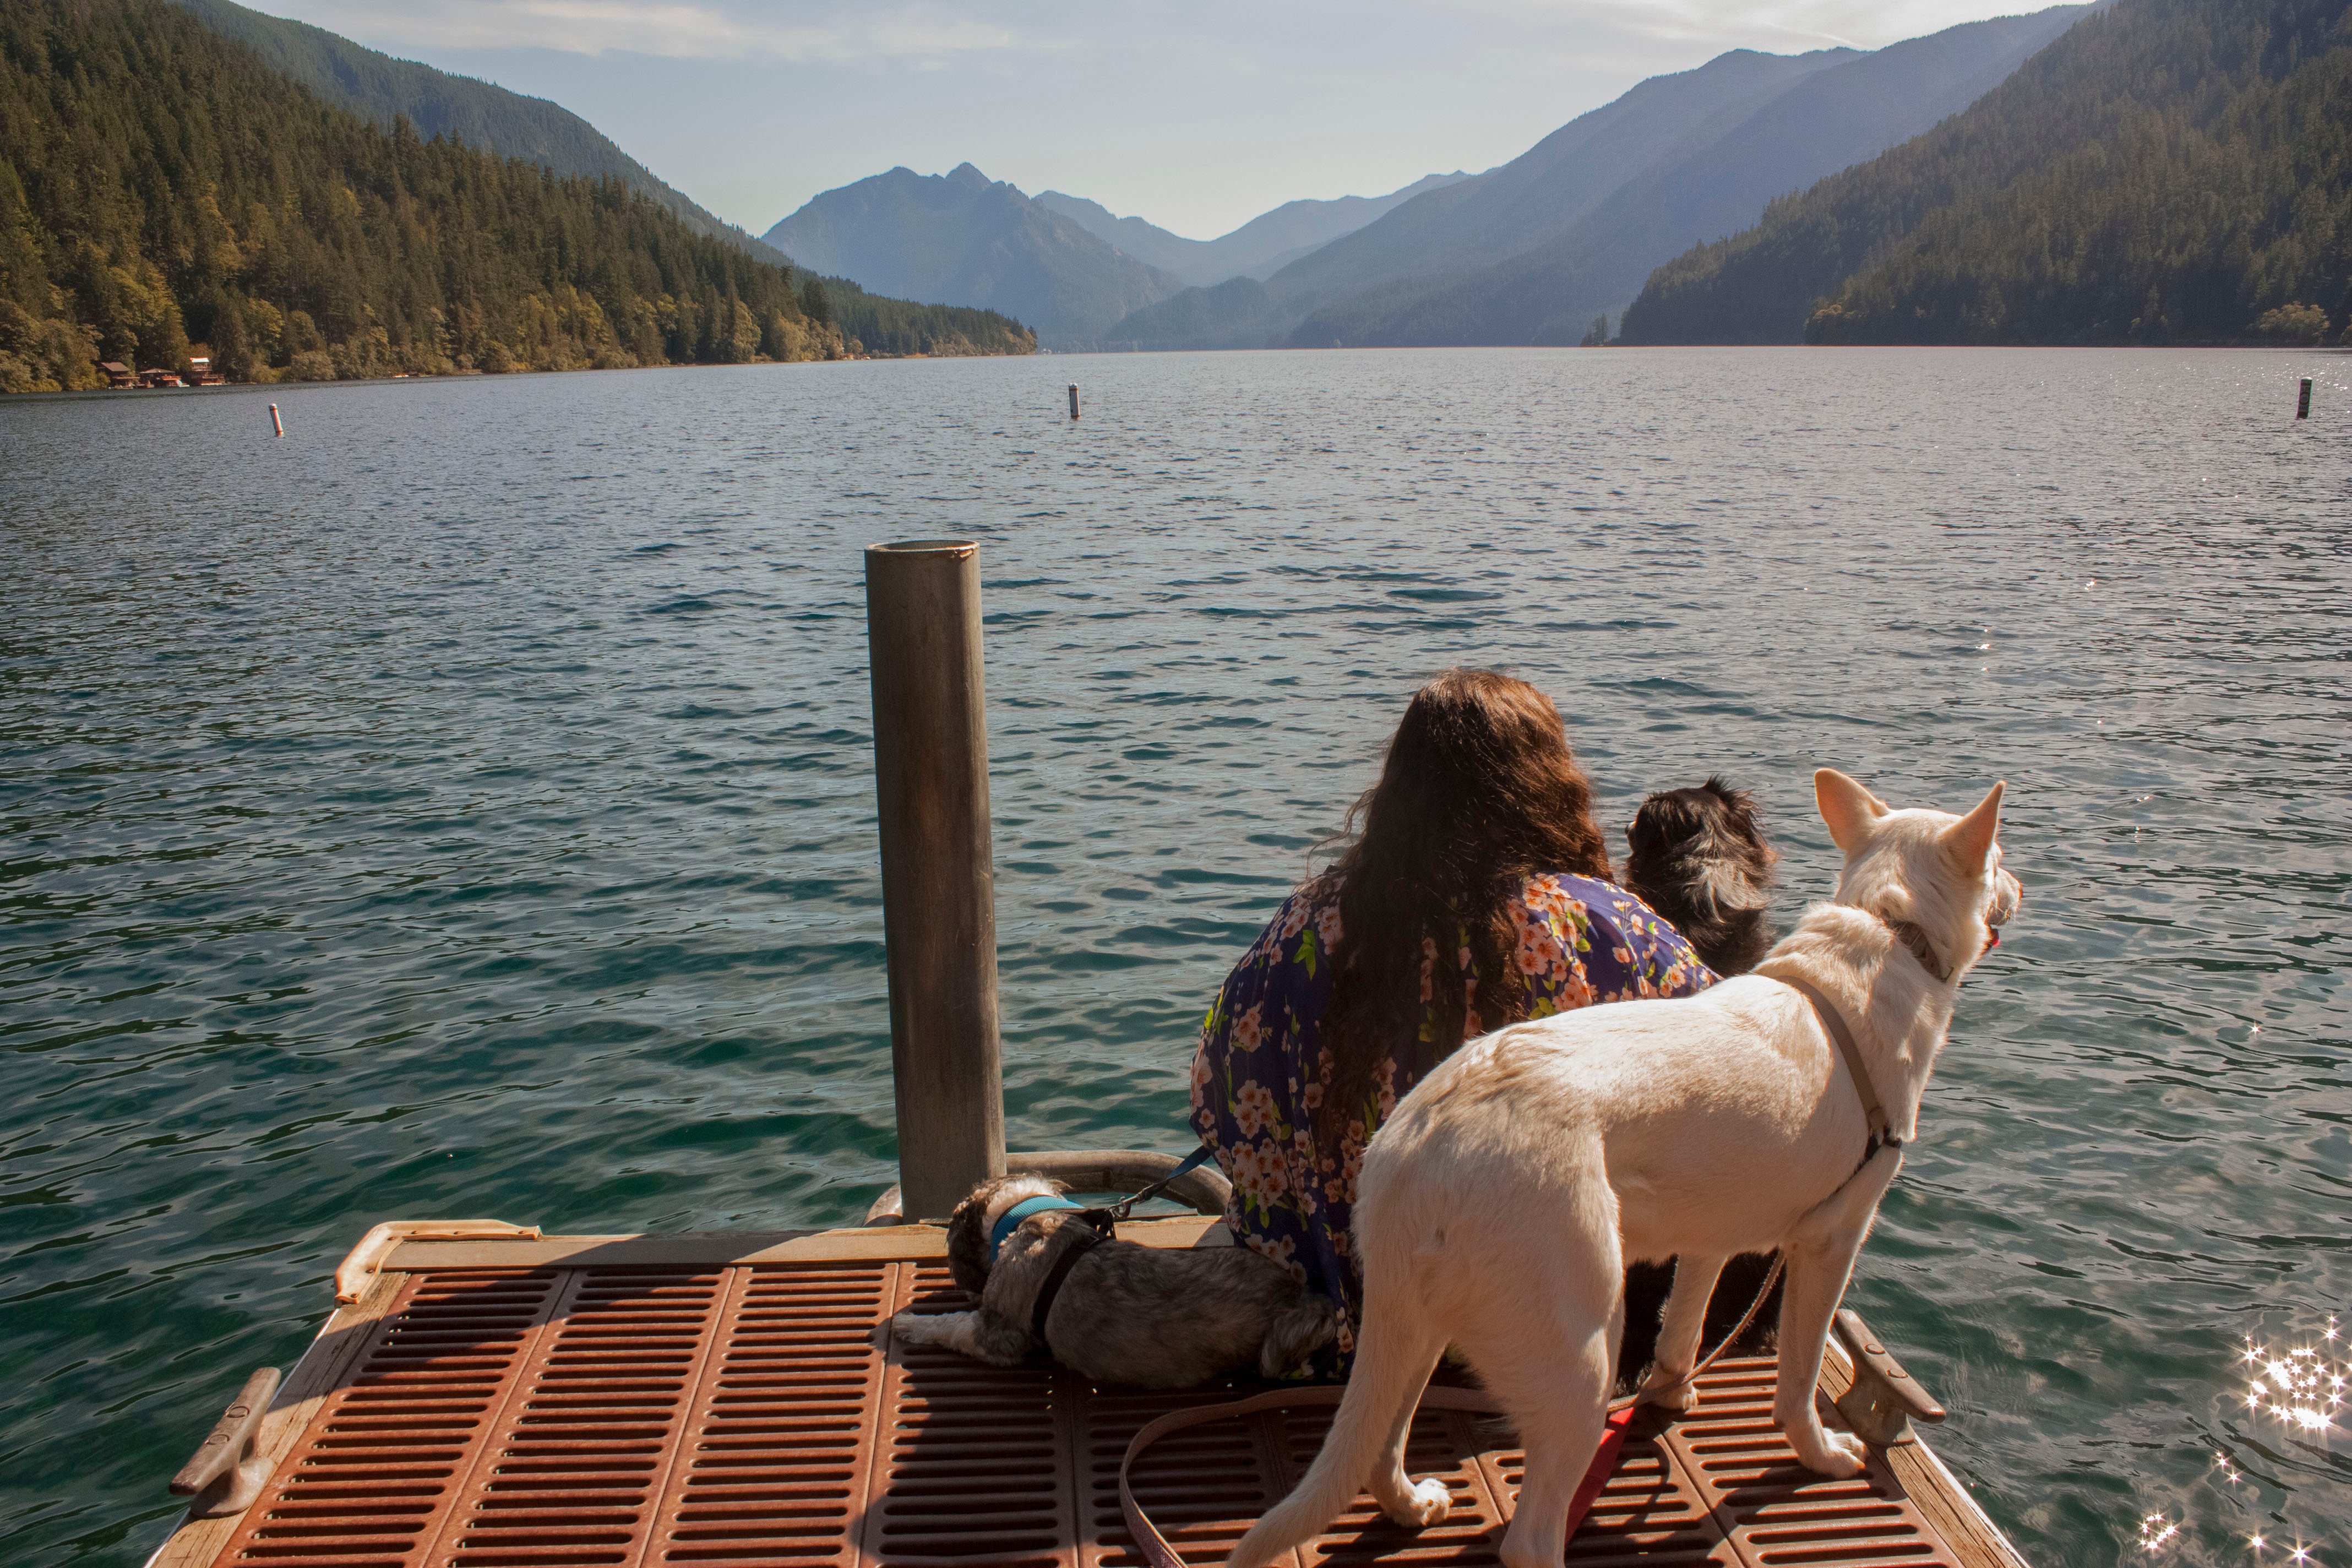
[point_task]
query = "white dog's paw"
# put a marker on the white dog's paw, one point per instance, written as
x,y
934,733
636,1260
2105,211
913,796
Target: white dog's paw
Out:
x,y
1428,1503
1677,1393
1836,1455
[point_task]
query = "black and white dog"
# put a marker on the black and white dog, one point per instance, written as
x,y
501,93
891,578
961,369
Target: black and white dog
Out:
x,y
1698,858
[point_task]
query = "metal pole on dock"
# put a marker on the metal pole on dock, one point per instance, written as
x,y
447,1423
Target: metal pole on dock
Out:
x,y
939,879
2301,404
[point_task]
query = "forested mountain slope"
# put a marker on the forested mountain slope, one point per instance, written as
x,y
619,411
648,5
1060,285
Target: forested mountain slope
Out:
x,y
381,88
2168,171
158,183
1846,111
965,239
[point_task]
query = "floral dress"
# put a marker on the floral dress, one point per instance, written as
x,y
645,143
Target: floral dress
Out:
x,y
1261,1071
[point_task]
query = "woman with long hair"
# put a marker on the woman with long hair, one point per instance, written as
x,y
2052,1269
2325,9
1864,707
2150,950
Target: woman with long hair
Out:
x,y
1473,890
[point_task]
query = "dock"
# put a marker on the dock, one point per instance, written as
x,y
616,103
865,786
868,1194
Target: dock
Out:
x,y
484,1395
736,1399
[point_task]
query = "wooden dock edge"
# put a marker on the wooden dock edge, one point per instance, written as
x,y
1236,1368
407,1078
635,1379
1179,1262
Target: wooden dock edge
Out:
x,y
320,1372
1932,1488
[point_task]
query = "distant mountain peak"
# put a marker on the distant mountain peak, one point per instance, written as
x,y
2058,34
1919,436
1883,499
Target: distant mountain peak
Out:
x,y
961,238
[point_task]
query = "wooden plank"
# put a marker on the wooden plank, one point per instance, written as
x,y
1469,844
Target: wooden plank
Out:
x,y
720,1248
1931,1487
340,1338
1939,1495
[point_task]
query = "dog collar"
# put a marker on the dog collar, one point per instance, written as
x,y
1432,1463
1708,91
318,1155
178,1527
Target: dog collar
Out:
x,y
1922,949
1013,1216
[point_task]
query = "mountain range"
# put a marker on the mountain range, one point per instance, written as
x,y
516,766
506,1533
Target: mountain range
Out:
x,y
1534,251
962,239
2171,171
1541,249
1066,264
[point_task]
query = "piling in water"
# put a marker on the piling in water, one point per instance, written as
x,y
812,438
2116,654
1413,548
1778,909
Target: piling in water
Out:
x,y
2302,402
279,425
939,883
1074,400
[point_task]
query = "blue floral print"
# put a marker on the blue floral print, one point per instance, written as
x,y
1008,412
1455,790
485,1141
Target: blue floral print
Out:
x,y
1262,1071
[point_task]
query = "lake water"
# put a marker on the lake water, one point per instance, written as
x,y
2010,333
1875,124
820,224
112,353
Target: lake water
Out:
x,y
463,807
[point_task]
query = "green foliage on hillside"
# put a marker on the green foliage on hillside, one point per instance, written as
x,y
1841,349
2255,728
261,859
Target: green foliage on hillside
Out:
x,y
2173,171
481,114
157,184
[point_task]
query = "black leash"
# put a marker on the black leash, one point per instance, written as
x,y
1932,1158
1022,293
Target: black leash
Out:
x,y
1089,1228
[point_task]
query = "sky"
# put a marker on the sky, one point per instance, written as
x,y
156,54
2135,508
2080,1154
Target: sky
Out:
x,y
1197,115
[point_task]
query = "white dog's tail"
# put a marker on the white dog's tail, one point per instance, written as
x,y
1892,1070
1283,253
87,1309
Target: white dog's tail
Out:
x,y
1391,1367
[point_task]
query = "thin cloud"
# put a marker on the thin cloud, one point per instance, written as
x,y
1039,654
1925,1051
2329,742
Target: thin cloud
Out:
x,y
1768,24
807,34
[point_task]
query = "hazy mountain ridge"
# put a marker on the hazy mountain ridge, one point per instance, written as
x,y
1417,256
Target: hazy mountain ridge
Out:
x,y
1532,250
2170,171
1843,113
1514,207
1256,248
380,86
1511,206
961,238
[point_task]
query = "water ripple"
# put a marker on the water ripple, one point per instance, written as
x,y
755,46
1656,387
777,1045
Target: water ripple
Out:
x,y
462,806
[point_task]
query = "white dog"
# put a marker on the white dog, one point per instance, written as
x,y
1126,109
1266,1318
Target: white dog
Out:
x,y
1499,1204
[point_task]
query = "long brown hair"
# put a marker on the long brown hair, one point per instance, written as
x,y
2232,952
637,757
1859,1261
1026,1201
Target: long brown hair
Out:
x,y
1479,791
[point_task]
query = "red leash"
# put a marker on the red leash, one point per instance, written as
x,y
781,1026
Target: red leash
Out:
x,y
1159,1555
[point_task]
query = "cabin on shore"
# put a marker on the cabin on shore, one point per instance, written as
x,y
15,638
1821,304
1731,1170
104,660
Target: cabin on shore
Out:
x,y
118,374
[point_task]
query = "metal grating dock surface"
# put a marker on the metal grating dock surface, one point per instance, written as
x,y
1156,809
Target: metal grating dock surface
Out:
x,y
759,1413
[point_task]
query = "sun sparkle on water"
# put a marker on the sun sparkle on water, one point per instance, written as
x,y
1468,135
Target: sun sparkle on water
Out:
x,y
2300,1386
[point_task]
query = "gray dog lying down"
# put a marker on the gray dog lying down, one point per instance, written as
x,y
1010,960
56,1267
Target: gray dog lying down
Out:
x,y
1150,1317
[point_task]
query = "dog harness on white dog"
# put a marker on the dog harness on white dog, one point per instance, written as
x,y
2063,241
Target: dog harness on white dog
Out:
x,y
1882,1135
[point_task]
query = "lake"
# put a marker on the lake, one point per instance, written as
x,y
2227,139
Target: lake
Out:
x,y
462,806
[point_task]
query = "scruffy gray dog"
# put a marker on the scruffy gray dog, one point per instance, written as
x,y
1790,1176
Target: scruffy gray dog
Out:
x,y
1148,1317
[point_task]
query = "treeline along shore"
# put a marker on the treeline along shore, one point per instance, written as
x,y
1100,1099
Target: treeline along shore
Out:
x,y
162,189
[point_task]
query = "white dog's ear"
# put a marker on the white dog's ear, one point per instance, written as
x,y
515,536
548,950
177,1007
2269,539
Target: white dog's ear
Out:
x,y
1847,806
1970,840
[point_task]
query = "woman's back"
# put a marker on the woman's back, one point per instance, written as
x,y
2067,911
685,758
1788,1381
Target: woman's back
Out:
x,y
1265,1081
